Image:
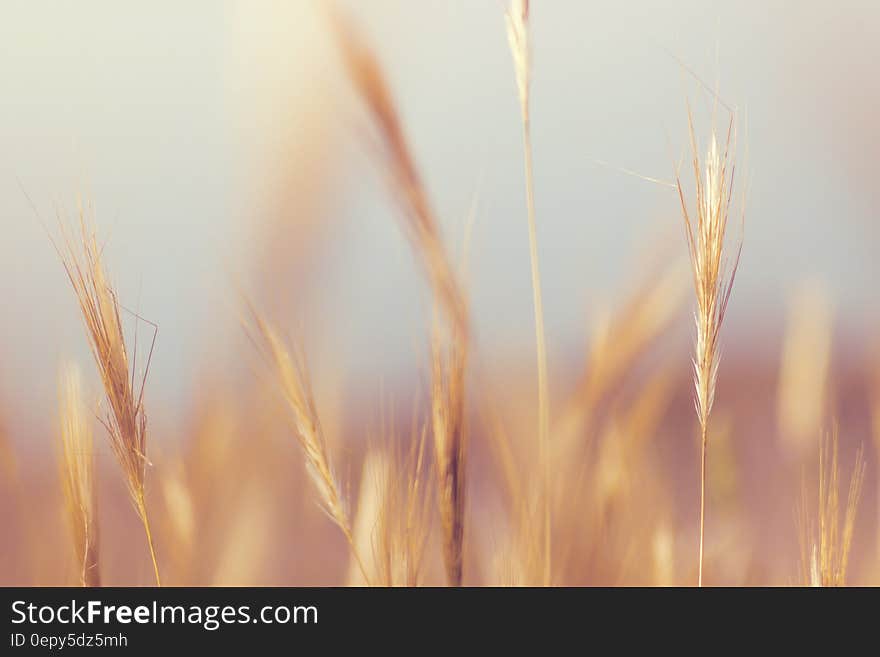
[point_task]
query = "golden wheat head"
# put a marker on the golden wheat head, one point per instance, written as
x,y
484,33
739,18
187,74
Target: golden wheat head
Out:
x,y
713,272
713,275
830,556
450,447
422,228
292,376
419,222
126,420
517,18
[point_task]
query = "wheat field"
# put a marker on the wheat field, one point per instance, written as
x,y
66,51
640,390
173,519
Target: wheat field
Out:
x,y
671,449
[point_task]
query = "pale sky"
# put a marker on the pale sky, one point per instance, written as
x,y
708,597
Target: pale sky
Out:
x,y
176,118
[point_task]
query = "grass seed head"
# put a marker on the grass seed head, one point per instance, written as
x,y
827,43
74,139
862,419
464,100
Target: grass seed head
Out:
x,y
77,476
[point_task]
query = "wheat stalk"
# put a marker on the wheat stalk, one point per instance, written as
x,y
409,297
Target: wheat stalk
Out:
x,y
450,446
419,221
394,510
713,278
825,558
518,36
77,476
292,375
450,348
415,471
372,519
125,421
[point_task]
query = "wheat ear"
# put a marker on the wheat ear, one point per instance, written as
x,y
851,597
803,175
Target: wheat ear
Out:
x,y
292,375
825,558
77,476
450,347
125,421
832,553
713,277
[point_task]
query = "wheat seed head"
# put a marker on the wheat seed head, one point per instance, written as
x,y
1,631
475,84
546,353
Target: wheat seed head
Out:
x,y
449,343
831,554
825,547
77,475
713,271
125,421
393,521
517,18
450,449
419,221
292,376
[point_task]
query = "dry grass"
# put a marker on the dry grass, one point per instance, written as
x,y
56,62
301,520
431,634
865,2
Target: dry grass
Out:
x,y
450,448
418,219
713,275
77,476
369,521
521,493
393,523
520,48
450,343
126,420
825,558
293,380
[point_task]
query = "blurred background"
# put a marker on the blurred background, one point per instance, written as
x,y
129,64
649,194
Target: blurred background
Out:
x,y
225,155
